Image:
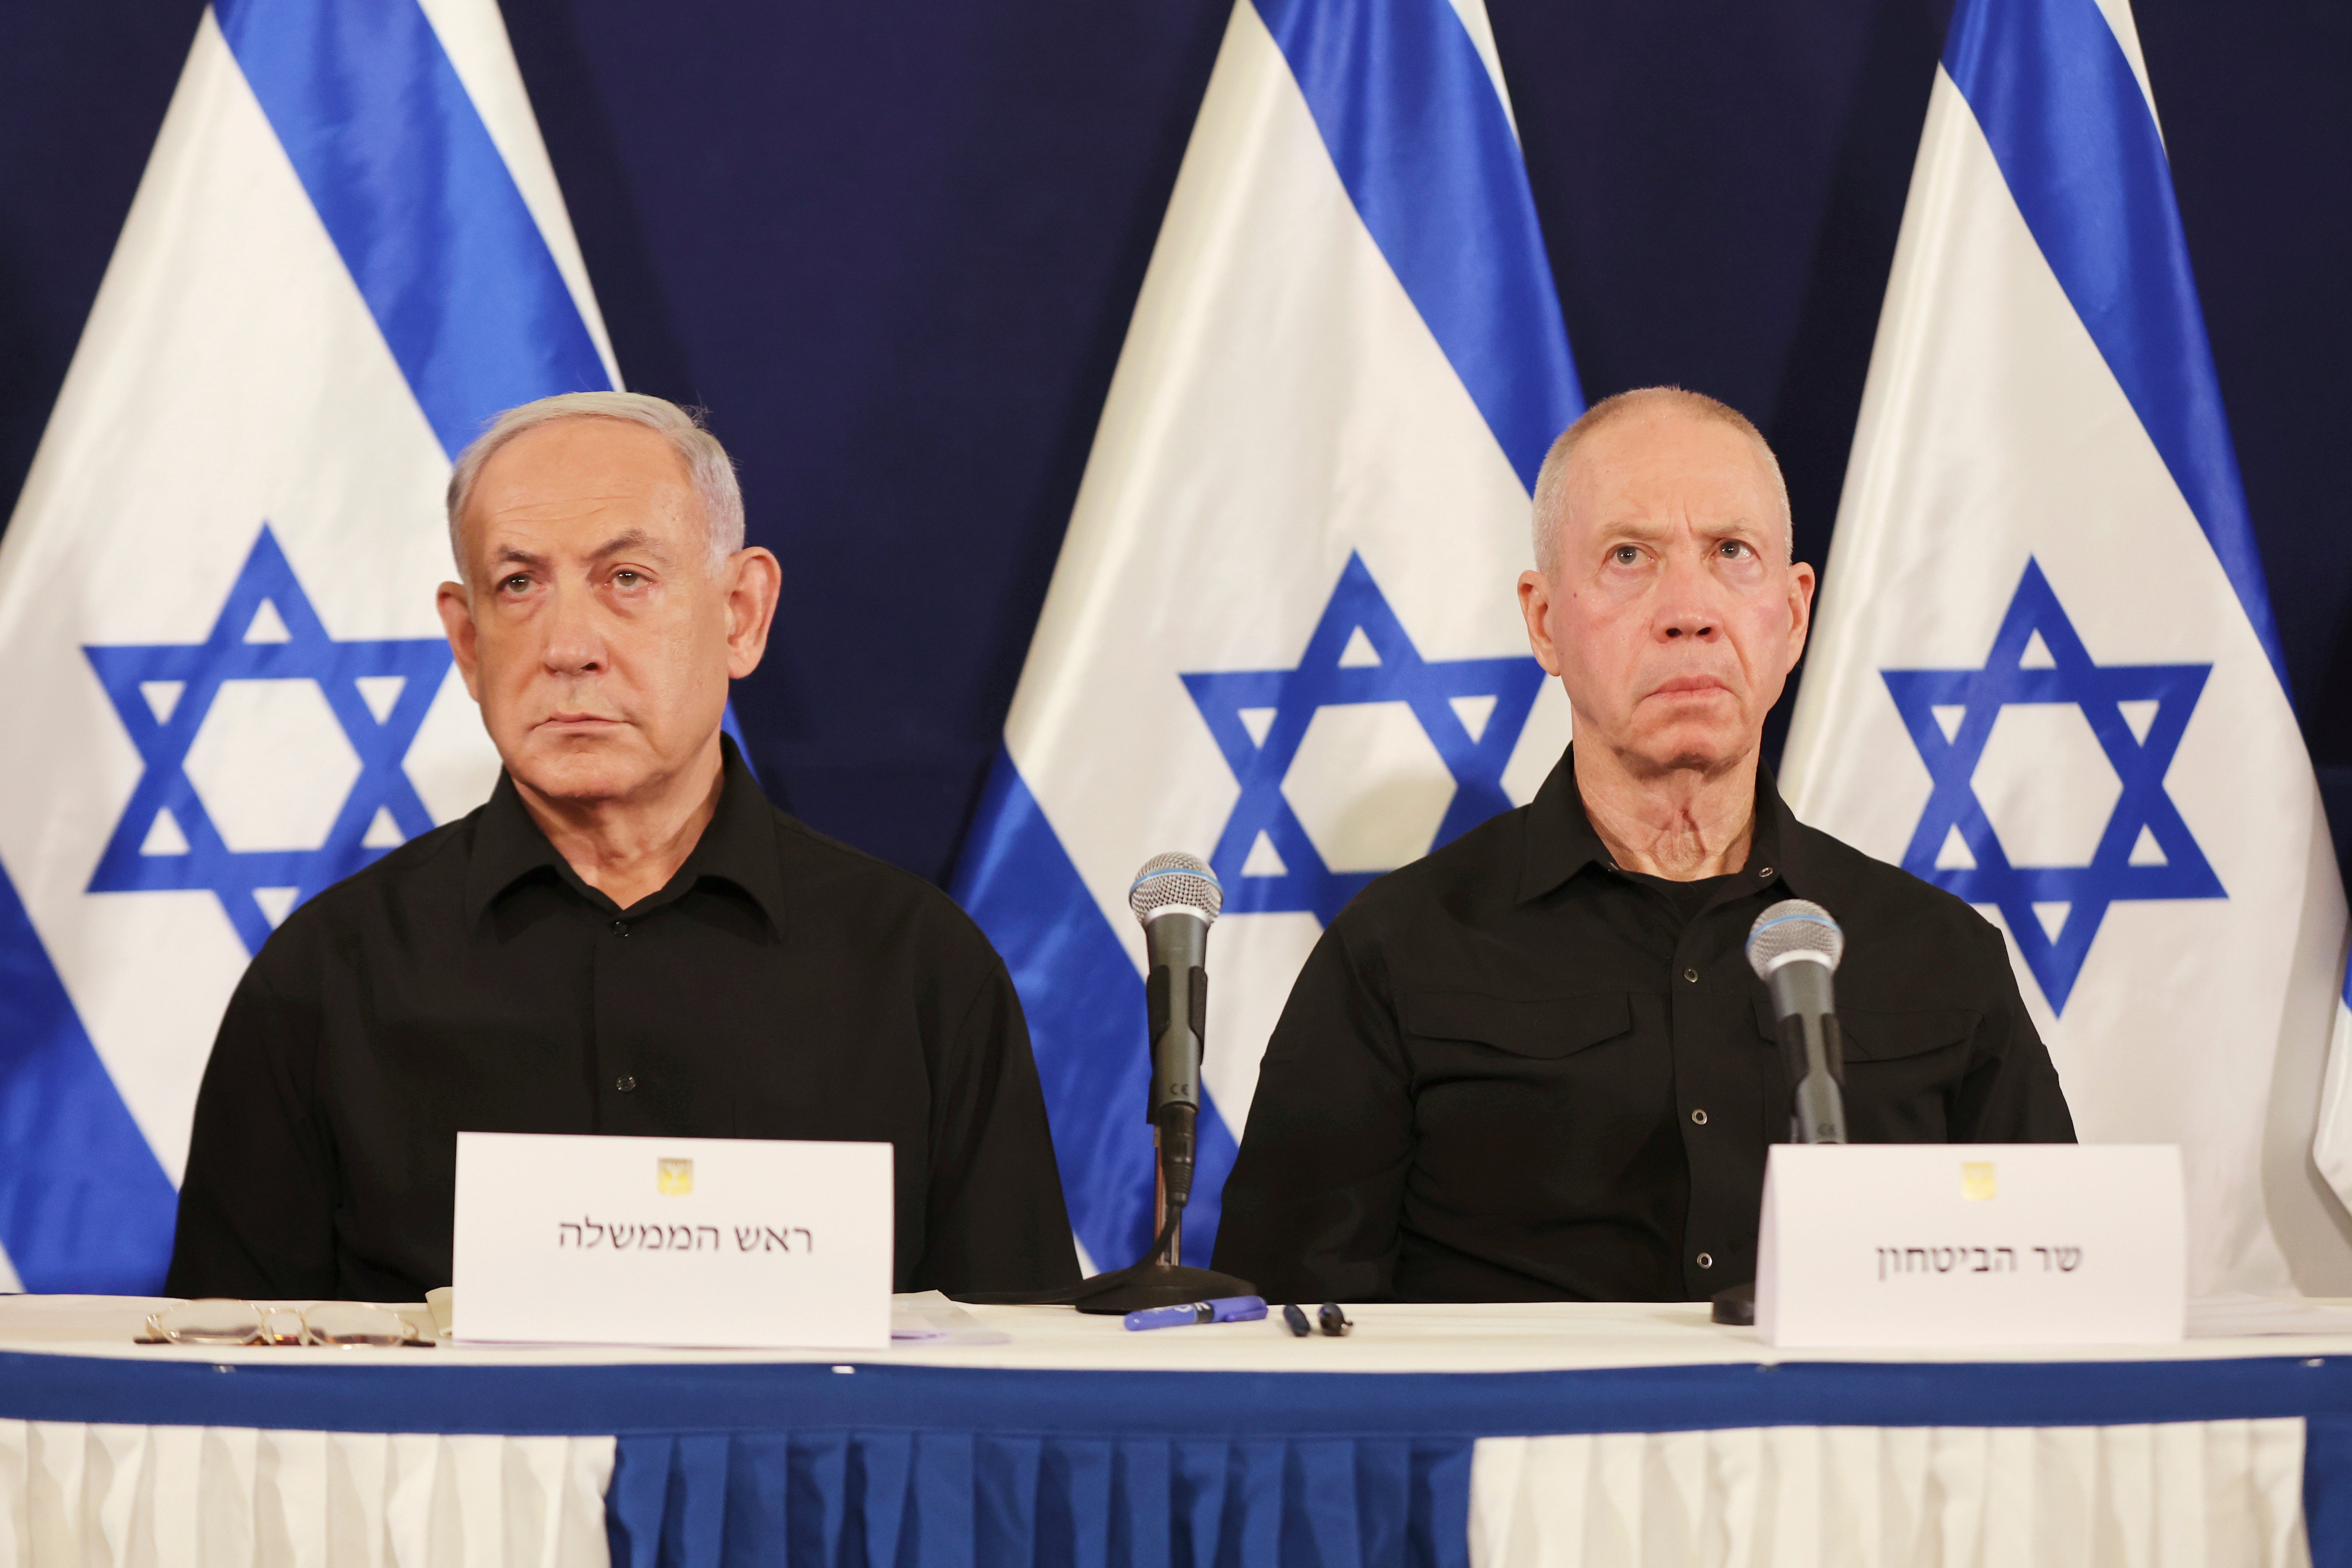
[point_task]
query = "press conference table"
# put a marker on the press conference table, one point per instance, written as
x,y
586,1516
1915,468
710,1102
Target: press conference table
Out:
x,y
1495,1435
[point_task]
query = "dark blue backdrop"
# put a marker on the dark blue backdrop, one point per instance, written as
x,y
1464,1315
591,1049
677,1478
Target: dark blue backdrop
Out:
x,y
893,246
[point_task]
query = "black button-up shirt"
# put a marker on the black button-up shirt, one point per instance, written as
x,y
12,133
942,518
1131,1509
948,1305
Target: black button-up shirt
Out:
x,y
1511,1071
781,985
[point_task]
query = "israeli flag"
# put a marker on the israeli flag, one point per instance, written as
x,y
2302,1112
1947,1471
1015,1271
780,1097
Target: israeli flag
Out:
x,y
2044,675
227,685
2331,1146
1283,633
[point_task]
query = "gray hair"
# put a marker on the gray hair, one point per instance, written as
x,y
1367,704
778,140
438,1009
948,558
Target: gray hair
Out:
x,y
1552,478
706,462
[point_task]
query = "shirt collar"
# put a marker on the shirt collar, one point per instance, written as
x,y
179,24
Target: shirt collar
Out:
x,y
737,846
1560,841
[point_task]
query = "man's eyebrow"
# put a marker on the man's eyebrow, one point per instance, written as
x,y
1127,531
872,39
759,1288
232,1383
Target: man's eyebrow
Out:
x,y
517,556
636,538
1639,525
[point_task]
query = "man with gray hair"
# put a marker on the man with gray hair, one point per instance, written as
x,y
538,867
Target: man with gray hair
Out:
x,y
1534,1065
626,938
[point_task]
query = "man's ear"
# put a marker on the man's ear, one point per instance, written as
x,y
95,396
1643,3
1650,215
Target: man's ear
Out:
x,y
1801,583
1535,606
757,581
457,622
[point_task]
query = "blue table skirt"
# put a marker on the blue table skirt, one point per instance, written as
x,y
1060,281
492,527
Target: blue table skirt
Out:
x,y
883,1498
890,1465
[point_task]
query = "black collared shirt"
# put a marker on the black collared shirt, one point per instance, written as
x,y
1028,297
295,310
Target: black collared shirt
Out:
x,y
1510,1071
781,985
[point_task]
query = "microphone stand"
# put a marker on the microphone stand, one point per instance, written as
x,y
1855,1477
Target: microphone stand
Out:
x,y
1176,895
1812,1056
1160,1279
1171,1256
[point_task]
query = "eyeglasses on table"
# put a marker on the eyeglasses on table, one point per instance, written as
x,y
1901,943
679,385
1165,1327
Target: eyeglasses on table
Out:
x,y
224,1320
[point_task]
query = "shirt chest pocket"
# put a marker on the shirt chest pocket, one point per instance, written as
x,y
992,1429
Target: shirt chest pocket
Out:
x,y
1465,1029
1902,1070
1877,1035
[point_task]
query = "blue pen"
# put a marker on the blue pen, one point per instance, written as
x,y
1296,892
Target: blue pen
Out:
x,y
1223,1310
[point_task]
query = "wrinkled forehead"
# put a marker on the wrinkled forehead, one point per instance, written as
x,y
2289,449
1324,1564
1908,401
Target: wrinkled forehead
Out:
x,y
1668,466
579,480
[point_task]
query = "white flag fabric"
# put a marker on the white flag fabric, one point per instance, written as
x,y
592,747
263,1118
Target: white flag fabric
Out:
x,y
227,686
2044,675
1282,633
2331,1145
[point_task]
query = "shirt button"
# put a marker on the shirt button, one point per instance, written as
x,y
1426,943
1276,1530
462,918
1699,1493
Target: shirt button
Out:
x,y
1707,1260
620,928
1764,874
1691,975
1699,1115
624,1083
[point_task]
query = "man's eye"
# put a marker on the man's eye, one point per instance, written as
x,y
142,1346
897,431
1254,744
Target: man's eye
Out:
x,y
627,579
1734,548
1625,556
517,583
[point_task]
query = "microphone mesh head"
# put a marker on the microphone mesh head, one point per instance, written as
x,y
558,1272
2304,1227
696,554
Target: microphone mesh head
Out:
x,y
1176,880
1793,925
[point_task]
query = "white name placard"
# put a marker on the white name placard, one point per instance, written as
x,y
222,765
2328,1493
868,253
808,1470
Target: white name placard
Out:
x,y
672,1241
1971,1244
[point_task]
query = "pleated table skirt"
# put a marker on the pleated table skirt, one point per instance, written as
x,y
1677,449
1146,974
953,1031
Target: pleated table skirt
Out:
x,y
2215,1494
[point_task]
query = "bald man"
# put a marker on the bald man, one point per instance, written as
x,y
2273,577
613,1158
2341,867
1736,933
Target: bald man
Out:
x,y
1534,1065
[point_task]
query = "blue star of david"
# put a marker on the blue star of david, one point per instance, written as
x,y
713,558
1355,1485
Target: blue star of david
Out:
x,y
2119,869
162,693
1287,699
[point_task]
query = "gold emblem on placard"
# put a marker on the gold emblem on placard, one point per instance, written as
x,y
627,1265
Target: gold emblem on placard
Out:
x,y
1976,1179
674,1178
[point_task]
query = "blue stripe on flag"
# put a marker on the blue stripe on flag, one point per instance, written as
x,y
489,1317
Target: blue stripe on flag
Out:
x,y
2049,82
1423,144
418,201
1084,1006
732,728
83,1205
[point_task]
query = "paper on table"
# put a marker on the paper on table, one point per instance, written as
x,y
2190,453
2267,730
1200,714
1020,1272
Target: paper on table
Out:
x,y
926,1317
922,1317
2240,1316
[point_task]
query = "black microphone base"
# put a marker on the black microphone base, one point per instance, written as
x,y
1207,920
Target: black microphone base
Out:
x,y
1736,1305
1157,1285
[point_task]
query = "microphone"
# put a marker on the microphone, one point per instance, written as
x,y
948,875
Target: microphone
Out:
x,y
1176,897
1794,948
